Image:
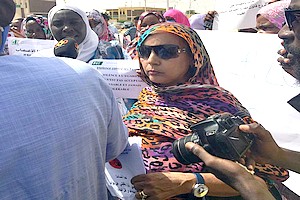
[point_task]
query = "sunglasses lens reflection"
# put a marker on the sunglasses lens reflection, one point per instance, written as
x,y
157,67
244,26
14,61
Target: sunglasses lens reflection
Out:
x,y
166,51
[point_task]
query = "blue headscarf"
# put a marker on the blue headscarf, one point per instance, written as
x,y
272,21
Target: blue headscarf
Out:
x,y
4,36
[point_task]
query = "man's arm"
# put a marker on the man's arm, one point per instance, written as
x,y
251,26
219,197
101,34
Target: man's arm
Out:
x,y
266,150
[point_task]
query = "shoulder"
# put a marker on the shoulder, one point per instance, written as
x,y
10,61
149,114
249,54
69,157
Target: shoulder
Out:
x,y
62,72
83,70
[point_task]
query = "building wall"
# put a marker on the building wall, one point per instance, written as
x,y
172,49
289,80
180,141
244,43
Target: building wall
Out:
x,y
41,6
27,7
128,13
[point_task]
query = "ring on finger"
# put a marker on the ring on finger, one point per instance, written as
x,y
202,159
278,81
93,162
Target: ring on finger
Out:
x,y
143,195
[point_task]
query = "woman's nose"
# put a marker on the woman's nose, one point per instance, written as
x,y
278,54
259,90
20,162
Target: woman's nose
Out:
x,y
153,58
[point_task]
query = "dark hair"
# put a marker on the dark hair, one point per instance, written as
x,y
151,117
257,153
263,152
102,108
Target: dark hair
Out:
x,y
105,16
136,18
7,12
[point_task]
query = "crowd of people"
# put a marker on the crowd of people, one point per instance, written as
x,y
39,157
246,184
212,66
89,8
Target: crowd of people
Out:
x,y
60,121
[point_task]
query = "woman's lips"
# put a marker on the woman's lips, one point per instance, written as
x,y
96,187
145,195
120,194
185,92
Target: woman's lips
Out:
x,y
152,72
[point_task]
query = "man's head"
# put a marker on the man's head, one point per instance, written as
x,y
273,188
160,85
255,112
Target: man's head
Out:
x,y
7,12
106,17
136,20
290,33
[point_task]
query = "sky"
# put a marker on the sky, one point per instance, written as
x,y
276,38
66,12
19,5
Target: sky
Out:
x,y
199,6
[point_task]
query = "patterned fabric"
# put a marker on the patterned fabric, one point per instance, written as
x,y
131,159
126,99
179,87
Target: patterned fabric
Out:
x,y
164,114
42,21
140,29
274,12
101,29
178,16
131,49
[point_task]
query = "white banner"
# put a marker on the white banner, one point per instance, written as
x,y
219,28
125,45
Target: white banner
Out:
x,y
236,14
26,46
121,76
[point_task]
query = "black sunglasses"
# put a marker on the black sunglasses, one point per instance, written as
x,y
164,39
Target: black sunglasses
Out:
x,y
291,16
165,51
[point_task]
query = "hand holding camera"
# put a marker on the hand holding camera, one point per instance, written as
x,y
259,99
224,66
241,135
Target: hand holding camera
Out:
x,y
219,135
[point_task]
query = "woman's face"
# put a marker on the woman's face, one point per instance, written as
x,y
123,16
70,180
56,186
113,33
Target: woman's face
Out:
x,y
263,25
149,20
166,72
67,23
34,30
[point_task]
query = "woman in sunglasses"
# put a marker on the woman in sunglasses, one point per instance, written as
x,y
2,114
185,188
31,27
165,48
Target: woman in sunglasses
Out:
x,y
183,90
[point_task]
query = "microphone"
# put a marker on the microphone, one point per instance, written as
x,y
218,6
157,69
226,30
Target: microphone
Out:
x,y
66,47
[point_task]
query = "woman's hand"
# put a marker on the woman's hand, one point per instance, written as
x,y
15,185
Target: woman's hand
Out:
x,y
163,185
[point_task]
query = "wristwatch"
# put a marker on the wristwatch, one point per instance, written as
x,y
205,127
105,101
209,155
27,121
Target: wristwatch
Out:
x,y
199,189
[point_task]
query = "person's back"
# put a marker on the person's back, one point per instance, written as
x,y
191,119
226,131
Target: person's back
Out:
x,y
59,125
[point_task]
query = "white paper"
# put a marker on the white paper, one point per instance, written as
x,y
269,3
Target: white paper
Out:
x,y
121,76
236,14
120,171
26,46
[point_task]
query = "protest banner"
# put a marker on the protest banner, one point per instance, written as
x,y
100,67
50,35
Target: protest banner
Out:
x,y
121,76
26,46
236,14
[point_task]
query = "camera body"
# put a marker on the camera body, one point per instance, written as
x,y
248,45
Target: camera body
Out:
x,y
219,135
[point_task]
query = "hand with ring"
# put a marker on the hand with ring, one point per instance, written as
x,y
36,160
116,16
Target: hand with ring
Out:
x,y
142,195
162,185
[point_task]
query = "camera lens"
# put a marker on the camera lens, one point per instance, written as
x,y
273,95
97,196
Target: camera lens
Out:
x,y
181,153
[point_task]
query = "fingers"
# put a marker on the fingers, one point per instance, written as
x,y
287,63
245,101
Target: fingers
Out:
x,y
198,151
250,163
257,129
141,195
138,178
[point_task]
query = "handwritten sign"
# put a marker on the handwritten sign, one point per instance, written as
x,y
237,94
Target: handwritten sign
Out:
x,y
236,14
121,76
26,46
121,170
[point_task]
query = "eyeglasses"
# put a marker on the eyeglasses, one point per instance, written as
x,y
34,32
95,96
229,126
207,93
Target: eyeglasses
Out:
x,y
291,16
171,20
165,51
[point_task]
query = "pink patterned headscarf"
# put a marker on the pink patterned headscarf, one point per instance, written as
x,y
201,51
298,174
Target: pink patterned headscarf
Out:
x,y
101,29
274,12
178,16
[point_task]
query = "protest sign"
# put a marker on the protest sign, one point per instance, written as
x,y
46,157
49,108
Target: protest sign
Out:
x,y
120,171
26,46
236,14
121,76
